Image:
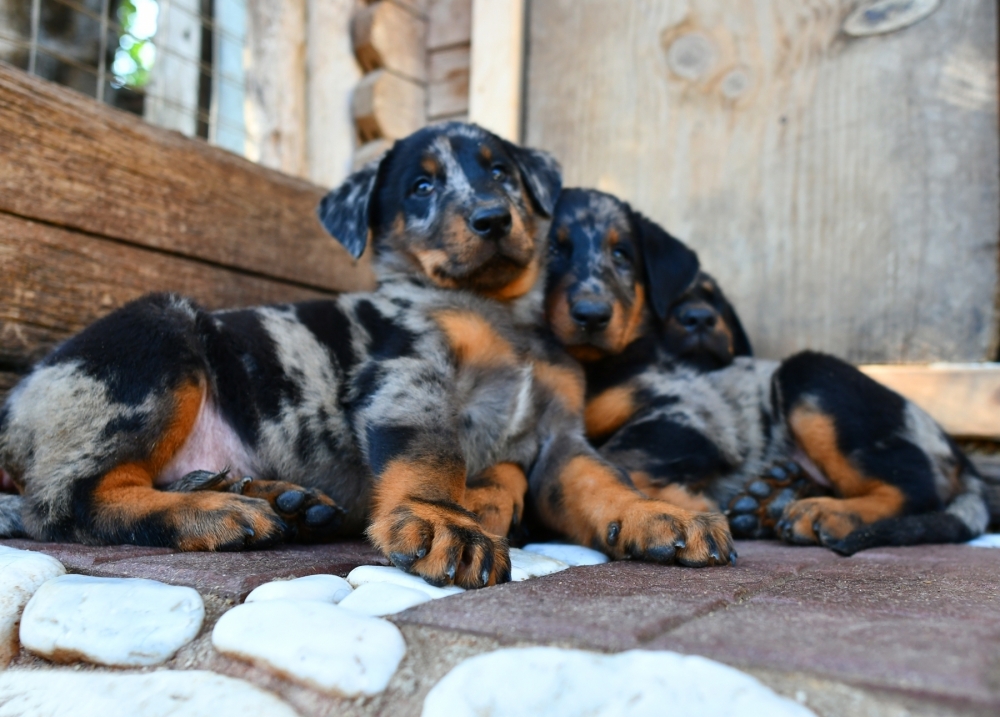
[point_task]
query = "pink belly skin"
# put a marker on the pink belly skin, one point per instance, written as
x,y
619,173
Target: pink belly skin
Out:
x,y
212,446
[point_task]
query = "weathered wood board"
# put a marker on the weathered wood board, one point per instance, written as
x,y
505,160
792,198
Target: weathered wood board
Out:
x,y
844,190
69,161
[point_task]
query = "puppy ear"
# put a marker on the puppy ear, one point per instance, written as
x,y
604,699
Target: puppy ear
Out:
x,y
344,212
741,342
670,265
541,174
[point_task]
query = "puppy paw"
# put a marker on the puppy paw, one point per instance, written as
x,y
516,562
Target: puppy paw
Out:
x,y
225,522
441,542
497,498
755,511
310,515
817,520
659,532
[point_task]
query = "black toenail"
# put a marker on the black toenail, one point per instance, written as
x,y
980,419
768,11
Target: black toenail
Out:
x,y
290,501
484,577
680,544
320,515
732,557
613,530
660,554
402,561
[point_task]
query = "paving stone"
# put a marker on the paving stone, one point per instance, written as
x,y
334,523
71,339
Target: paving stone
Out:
x,y
615,606
321,645
570,683
195,693
572,555
380,574
325,588
21,574
378,599
525,565
77,558
234,575
110,621
990,540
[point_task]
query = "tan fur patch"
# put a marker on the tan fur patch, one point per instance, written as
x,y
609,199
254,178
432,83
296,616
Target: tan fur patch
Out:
x,y
609,411
564,382
473,339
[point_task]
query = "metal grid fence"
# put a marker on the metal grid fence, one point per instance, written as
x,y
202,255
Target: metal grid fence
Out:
x,y
178,63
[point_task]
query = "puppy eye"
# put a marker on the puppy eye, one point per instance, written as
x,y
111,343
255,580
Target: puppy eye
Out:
x,y
498,172
620,256
422,187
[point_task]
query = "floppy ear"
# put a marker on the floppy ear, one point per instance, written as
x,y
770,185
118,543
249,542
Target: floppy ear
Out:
x,y
344,211
741,342
670,265
541,174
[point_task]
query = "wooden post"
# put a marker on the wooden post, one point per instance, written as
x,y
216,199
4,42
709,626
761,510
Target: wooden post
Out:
x,y
332,74
497,66
276,85
172,95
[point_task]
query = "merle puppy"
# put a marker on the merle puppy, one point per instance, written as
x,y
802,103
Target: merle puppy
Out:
x,y
674,397
420,412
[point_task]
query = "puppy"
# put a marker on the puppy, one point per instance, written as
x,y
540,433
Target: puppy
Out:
x,y
416,411
674,397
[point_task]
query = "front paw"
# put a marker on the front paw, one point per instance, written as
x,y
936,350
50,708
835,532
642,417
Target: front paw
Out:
x,y
659,532
441,542
311,516
817,520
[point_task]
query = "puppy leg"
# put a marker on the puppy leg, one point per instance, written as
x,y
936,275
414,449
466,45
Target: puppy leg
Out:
x,y
593,503
673,493
496,496
309,514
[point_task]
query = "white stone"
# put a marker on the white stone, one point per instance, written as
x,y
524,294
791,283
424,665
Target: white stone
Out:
x,y
989,540
22,572
572,555
322,645
378,599
570,683
525,565
123,622
325,588
382,574
165,693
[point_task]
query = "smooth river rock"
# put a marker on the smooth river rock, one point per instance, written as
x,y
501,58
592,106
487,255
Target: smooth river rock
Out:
x,y
325,588
378,599
381,574
22,572
572,555
525,565
573,683
195,693
122,622
321,645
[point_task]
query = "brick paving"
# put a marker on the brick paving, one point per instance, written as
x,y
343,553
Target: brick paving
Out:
x,y
887,632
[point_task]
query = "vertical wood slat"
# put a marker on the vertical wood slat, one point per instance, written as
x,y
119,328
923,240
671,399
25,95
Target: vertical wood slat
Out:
x,y
495,67
843,190
172,94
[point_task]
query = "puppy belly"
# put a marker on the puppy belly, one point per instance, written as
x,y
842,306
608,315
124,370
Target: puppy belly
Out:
x,y
212,446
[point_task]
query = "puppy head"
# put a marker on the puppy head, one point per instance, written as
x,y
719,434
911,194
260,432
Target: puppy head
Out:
x,y
612,274
702,329
453,203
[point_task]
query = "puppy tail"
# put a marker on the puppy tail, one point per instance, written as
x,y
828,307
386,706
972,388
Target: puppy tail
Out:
x,y
11,524
967,516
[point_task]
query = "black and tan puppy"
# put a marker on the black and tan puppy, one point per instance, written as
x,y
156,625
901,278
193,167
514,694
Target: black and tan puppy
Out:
x,y
673,397
416,411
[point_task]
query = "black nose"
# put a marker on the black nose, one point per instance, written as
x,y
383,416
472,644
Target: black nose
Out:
x,y
591,315
697,319
491,222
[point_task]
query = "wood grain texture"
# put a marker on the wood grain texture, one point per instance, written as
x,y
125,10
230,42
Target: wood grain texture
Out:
x,y
386,36
275,70
963,398
495,66
68,160
843,190
387,106
56,282
449,23
448,78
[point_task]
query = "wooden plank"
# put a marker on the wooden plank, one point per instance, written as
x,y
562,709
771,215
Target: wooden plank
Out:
x,y
448,77
843,190
963,398
56,282
276,85
386,36
333,73
495,67
449,22
68,160
387,106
